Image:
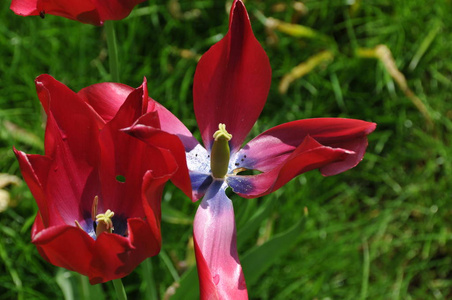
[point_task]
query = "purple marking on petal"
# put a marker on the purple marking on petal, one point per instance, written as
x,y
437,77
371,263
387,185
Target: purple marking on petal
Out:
x,y
241,184
200,182
242,160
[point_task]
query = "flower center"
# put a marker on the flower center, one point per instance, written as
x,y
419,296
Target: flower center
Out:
x,y
103,221
219,156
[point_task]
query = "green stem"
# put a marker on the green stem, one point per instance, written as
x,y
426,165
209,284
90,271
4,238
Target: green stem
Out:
x,y
112,50
119,288
84,289
151,290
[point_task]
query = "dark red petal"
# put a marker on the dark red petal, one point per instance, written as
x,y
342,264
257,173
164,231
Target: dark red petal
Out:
x,y
111,254
76,122
152,192
116,256
124,158
308,156
82,10
115,9
35,169
93,12
219,270
160,139
71,142
65,246
106,98
231,82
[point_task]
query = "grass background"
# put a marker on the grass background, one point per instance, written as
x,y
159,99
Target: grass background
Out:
x,y
382,230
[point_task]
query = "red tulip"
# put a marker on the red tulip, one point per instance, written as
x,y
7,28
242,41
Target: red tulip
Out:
x,y
97,188
86,11
230,88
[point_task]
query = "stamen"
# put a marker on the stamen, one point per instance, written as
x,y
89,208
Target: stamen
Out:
x,y
104,222
78,224
94,208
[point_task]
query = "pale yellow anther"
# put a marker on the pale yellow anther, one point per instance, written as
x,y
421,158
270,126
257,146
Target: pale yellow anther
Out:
x,y
105,219
221,132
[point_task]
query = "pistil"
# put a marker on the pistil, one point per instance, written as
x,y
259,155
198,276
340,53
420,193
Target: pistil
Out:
x,y
219,156
104,222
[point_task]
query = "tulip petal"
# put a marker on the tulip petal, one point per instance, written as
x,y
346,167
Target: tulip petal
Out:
x,y
231,82
25,7
115,256
200,183
106,98
125,160
93,12
152,192
274,146
192,176
83,11
219,270
71,142
308,156
65,246
34,170
115,9
169,143
76,122
170,123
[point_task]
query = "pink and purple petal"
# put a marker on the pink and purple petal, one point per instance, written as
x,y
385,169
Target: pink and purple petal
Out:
x,y
200,182
308,156
231,82
171,124
272,148
219,269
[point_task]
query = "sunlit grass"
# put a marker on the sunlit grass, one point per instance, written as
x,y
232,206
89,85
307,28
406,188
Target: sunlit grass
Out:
x,y
379,231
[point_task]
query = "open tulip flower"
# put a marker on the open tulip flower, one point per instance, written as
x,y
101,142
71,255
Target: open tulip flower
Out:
x,y
231,84
93,12
97,188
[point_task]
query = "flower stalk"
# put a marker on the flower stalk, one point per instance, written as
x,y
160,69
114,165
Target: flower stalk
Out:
x,y
119,288
112,50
